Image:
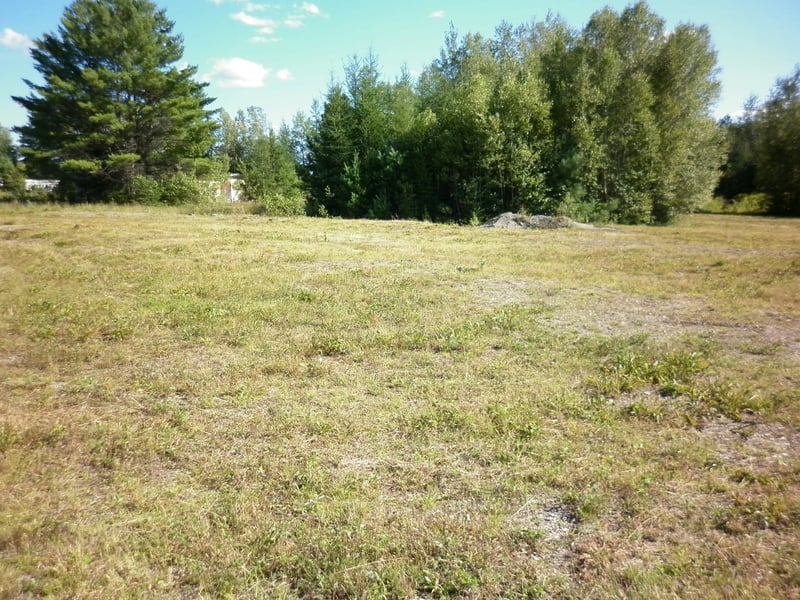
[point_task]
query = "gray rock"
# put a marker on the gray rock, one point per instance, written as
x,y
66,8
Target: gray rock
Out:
x,y
510,220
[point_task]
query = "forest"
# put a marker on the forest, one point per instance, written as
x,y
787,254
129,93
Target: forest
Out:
x,y
609,123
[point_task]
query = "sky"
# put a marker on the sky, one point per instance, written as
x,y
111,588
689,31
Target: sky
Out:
x,y
281,55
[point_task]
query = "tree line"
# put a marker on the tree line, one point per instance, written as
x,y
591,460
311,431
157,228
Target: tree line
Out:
x,y
611,122
764,150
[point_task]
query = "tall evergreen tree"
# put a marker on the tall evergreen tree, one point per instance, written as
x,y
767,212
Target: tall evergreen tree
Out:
x,y
374,112
332,152
113,103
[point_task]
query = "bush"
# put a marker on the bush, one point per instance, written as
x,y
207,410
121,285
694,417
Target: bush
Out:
x,y
743,204
181,188
6,196
146,190
282,205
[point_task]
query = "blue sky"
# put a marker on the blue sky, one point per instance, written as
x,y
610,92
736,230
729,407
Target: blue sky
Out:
x,y
281,55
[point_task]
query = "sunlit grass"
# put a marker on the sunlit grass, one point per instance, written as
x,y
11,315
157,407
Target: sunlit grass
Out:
x,y
227,405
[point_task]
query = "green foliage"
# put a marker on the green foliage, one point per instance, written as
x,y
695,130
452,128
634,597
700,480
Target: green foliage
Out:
x,y
739,172
180,189
176,189
764,153
632,363
280,205
265,159
145,190
742,204
12,177
113,103
610,123
778,146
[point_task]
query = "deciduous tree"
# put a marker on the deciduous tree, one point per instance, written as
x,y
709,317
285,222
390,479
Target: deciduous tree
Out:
x,y
264,158
778,146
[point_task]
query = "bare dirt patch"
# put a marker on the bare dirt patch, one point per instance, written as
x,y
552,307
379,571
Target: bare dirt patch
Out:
x,y
758,447
783,329
493,293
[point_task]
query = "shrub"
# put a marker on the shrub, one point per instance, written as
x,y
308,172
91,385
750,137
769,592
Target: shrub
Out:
x,y
181,188
282,205
146,190
742,204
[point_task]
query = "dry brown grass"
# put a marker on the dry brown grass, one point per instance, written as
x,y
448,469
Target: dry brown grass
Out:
x,y
200,406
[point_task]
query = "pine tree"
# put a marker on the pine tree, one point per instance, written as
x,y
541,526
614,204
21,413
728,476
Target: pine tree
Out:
x,y
332,152
114,103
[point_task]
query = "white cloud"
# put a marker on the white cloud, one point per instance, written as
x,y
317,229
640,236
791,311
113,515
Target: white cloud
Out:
x,y
437,14
11,39
267,27
238,73
284,75
248,6
260,39
243,17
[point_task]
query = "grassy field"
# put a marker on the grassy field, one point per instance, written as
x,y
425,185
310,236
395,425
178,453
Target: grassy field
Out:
x,y
231,406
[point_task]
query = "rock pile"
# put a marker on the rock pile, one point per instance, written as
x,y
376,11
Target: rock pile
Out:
x,y
517,221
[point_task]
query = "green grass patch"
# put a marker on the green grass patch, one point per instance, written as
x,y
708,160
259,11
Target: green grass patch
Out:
x,y
218,404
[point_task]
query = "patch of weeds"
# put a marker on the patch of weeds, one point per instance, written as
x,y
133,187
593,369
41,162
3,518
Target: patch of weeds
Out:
x,y
583,506
471,269
643,580
450,340
442,417
726,398
109,447
44,437
647,410
46,331
9,437
744,476
117,330
305,295
335,558
603,347
762,512
328,344
762,349
632,364
90,387
413,340
502,321
501,416
528,539
447,577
